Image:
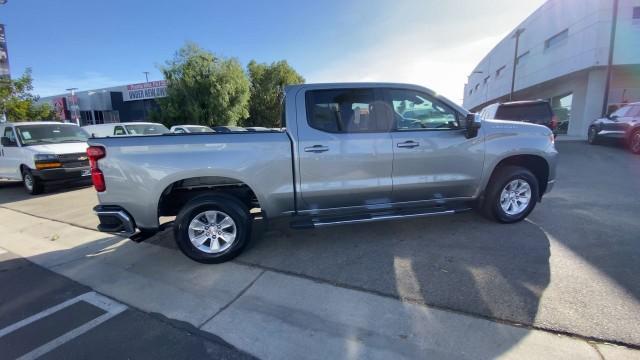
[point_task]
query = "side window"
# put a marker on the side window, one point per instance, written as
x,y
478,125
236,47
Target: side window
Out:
x,y
118,131
344,111
8,132
413,110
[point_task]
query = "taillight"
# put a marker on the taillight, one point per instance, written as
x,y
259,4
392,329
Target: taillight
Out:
x,y
554,122
96,153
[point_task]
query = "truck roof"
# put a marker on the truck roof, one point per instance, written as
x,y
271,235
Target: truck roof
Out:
x,y
347,85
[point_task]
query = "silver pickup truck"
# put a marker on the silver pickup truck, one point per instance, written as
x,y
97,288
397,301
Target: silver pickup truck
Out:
x,y
347,153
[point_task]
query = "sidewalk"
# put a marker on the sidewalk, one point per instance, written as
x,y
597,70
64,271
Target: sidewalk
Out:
x,y
275,315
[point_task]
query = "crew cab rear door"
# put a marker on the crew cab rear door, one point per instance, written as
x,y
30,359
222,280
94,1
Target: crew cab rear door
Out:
x,y
433,160
345,153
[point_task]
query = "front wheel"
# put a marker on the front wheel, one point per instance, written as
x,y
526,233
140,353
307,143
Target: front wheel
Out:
x,y
511,195
213,229
32,184
634,142
592,136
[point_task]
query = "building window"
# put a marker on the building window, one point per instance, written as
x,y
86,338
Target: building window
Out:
x,y
500,71
486,80
522,58
477,86
557,39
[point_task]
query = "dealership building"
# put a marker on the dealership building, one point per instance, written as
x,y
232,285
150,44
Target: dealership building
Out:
x,y
582,55
125,103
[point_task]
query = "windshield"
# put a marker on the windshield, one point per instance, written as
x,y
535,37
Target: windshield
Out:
x,y
146,129
196,129
50,134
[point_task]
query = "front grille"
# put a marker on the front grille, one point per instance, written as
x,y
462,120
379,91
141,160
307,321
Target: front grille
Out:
x,y
74,160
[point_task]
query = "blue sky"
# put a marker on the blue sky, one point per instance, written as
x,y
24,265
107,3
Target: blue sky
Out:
x,y
93,44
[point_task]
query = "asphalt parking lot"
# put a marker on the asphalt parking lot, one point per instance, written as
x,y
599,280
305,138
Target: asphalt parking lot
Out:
x,y
571,267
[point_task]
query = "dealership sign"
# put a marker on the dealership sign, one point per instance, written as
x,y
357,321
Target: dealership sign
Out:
x,y
148,90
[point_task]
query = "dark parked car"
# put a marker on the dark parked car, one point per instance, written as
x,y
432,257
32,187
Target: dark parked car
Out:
x,y
531,111
623,124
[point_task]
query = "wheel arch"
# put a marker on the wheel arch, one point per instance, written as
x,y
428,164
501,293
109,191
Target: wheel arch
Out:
x,y
538,165
179,192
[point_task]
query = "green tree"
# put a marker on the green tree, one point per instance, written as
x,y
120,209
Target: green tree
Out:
x,y
18,102
267,85
203,88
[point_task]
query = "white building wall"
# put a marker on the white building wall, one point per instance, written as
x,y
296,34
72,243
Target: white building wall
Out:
x,y
588,22
575,65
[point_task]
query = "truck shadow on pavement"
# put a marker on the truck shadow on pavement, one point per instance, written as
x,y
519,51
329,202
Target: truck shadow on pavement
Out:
x,y
462,263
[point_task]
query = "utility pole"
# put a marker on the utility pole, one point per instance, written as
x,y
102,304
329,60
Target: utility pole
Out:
x,y
144,102
74,106
516,36
612,40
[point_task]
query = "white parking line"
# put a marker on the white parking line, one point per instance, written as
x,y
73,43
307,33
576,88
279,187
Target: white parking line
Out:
x,y
111,307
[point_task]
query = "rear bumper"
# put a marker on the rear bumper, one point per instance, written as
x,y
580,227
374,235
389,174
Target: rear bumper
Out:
x,y
115,220
63,174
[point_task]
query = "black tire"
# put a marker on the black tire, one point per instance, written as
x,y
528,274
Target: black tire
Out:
x,y
226,204
32,184
491,207
634,142
592,136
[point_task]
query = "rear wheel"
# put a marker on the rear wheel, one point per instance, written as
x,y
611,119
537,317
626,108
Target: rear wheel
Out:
x,y
511,194
213,229
634,142
592,136
32,184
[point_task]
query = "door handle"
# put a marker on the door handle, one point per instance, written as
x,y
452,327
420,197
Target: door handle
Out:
x,y
408,144
316,148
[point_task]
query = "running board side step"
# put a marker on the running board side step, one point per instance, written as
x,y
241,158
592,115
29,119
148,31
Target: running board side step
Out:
x,y
311,222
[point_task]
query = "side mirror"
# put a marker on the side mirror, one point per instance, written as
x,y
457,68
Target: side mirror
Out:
x,y
6,142
472,124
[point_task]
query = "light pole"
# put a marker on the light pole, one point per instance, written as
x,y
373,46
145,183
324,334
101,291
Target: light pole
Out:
x,y
74,106
516,36
144,102
612,40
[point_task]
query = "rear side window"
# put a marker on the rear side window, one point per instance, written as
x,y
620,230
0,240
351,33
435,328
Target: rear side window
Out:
x,y
344,111
535,113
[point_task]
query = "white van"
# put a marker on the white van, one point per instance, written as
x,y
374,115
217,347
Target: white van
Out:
x,y
41,152
125,129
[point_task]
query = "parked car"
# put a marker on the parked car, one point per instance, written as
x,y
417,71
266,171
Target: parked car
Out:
x,y
182,129
348,155
228,129
125,129
43,152
623,124
531,111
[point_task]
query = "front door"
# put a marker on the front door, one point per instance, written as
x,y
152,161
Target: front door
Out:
x,y
433,160
345,155
10,156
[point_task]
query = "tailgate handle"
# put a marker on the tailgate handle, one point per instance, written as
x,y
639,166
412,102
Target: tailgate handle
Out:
x,y
408,144
316,148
